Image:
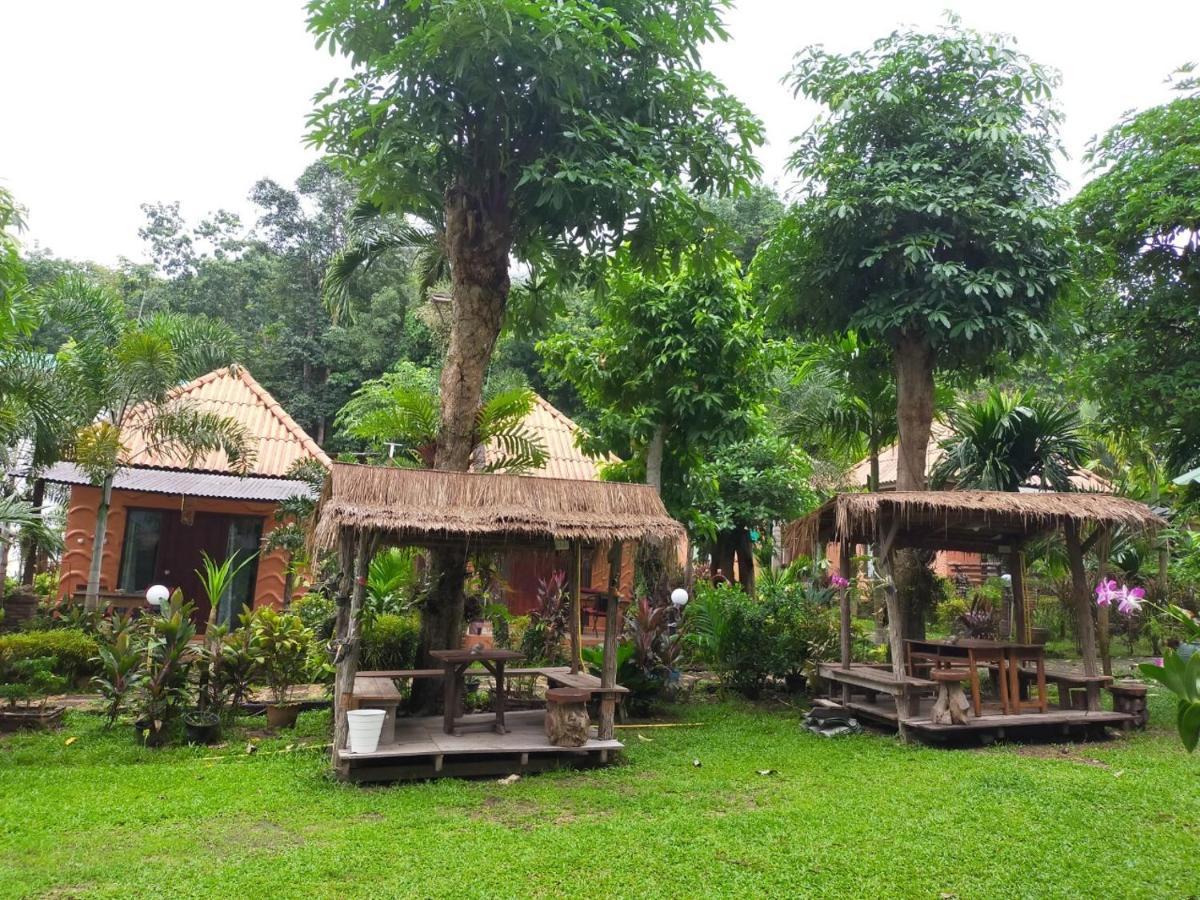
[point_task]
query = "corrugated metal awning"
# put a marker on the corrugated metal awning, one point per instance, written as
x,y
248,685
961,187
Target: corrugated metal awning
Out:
x,y
188,484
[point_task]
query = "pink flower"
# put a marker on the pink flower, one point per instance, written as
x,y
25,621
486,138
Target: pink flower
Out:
x,y
839,582
1107,592
1131,601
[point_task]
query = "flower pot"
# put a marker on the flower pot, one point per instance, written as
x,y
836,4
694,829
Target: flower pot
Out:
x,y
201,727
150,733
1185,651
795,682
365,728
1039,635
282,716
20,717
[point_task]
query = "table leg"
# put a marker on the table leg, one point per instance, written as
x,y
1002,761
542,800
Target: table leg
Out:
x,y
501,692
974,684
1041,682
449,697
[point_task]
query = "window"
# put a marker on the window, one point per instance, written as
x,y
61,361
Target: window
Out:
x,y
139,553
245,537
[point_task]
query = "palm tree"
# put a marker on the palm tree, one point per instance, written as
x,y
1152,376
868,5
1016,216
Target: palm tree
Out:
x,y
843,394
371,234
401,409
122,374
1006,440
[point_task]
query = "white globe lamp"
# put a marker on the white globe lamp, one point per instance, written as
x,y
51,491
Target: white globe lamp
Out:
x,y
157,595
679,598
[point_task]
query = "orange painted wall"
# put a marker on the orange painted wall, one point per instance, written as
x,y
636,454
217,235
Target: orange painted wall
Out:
x,y
81,526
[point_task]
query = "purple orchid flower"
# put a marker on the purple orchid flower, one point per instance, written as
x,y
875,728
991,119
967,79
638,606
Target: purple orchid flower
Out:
x,y
839,582
1132,601
1108,591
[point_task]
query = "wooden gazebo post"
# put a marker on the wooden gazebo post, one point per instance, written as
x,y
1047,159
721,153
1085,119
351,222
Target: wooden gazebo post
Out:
x,y
348,647
575,618
1016,569
844,569
1083,599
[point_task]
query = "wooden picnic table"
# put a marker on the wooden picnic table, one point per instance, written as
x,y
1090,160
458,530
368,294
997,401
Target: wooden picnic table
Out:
x,y
1007,656
454,666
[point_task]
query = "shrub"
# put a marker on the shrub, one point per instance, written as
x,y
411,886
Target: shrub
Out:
x,y
728,631
390,642
803,628
318,613
948,613
73,651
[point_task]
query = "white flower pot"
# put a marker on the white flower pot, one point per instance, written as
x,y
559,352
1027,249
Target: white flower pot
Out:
x,y
365,727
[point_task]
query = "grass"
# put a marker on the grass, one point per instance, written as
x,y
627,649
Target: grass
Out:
x,y
850,817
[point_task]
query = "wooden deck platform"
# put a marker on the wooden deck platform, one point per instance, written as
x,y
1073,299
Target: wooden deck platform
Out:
x,y
422,750
870,696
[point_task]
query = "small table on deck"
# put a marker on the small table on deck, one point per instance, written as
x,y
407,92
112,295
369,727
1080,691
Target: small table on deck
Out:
x,y
454,666
1007,656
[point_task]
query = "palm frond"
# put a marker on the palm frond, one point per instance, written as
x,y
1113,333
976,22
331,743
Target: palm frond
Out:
x,y
186,433
520,451
201,343
502,409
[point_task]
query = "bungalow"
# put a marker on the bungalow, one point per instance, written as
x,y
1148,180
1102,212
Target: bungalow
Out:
x,y
165,514
521,569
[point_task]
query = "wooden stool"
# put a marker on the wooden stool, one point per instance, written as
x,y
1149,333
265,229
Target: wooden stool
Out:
x,y
951,705
567,716
1130,697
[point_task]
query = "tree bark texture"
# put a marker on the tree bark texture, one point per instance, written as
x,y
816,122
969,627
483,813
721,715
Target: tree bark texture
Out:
x,y
348,649
92,598
654,458
478,241
914,360
30,549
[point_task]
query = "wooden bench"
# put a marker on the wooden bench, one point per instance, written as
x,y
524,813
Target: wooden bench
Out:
x,y
875,680
1074,691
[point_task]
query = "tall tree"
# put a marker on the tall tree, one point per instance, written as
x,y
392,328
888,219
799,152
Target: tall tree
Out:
x,y
122,373
544,131
1139,329
929,225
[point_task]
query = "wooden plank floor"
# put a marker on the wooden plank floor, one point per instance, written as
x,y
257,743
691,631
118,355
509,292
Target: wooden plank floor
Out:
x,y
1051,723
423,736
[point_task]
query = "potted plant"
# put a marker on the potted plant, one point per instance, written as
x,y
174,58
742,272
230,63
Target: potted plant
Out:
x,y
122,662
281,650
26,686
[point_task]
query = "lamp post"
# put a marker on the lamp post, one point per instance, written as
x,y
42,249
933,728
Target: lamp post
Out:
x,y
679,599
157,595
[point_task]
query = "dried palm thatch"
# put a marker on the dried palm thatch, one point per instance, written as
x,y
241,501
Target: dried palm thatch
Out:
x,y
428,507
959,520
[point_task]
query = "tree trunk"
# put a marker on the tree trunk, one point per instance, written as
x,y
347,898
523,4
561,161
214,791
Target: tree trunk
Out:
x,y
478,242
744,552
30,550
873,477
1103,614
348,648
654,458
723,555
914,362
92,598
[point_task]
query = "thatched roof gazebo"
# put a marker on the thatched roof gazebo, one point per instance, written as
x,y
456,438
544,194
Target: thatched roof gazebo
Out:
x,y
975,521
364,508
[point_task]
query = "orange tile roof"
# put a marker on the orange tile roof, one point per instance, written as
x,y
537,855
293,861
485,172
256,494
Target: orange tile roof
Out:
x,y
558,433
277,440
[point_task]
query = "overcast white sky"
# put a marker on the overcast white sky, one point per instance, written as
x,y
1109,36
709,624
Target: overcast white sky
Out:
x,y
104,106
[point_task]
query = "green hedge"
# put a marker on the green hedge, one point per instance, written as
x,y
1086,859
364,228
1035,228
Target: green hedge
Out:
x,y
390,642
73,650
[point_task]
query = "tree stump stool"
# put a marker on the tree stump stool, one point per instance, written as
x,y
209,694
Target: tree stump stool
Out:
x,y
567,716
951,705
1130,697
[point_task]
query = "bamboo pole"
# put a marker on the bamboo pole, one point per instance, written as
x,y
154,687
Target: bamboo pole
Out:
x,y
844,568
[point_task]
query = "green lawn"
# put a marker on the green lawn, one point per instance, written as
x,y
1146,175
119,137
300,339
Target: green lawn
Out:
x,y
860,816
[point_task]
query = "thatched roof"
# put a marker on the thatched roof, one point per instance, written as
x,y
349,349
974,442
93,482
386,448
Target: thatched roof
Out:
x,y
428,507
980,521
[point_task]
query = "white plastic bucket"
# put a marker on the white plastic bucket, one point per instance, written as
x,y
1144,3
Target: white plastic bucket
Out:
x,y
365,726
